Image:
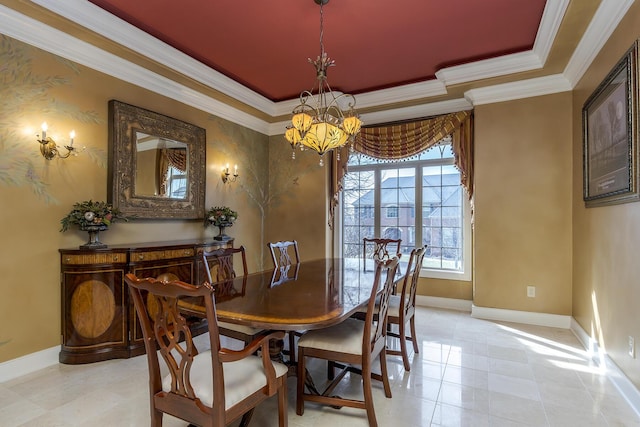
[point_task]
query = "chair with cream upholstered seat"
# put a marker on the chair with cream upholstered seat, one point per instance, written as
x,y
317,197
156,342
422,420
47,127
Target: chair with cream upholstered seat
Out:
x,y
402,307
207,388
219,266
351,344
282,263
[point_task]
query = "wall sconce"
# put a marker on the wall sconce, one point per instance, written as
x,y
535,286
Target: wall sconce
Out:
x,y
227,177
49,149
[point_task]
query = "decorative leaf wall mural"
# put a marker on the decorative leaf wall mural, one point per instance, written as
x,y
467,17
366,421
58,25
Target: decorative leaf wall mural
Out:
x,y
25,92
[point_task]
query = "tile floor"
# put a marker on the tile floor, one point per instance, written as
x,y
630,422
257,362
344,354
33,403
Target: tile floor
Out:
x,y
469,372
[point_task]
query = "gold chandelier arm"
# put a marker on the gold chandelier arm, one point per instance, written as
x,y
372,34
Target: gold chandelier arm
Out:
x,y
324,126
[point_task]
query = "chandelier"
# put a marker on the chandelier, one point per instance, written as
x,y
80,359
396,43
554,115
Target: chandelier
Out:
x,y
319,122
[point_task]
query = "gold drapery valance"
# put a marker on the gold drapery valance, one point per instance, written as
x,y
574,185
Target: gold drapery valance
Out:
x,y
167,157
177,158
405,140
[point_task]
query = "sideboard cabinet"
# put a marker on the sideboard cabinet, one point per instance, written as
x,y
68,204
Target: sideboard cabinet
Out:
x,y
98,318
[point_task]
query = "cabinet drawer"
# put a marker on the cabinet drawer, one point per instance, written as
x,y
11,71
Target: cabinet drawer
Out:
x,y
85,259
160,255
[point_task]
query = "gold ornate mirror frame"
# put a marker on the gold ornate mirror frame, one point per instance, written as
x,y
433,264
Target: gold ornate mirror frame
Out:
x,y
126,122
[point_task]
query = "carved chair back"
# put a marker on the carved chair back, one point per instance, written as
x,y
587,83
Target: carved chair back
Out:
x,y
280,253
380,250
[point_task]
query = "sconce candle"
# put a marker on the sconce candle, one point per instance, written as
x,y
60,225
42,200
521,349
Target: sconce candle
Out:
x,y
49,149
226,175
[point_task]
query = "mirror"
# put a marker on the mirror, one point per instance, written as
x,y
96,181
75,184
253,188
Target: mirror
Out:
x,y
156,164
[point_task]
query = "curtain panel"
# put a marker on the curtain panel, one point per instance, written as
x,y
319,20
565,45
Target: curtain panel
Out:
x,y
167,157
403,141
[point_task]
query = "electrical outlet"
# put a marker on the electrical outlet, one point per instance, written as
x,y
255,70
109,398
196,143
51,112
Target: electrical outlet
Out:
x,y
632,347
531,291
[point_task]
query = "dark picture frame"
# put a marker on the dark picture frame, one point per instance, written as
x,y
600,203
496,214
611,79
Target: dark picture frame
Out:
x,y
610,131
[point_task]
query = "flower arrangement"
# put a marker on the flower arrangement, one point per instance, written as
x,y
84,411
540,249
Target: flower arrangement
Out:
x,y
220,216
90,213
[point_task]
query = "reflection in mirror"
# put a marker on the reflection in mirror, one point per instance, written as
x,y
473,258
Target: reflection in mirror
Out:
x,y
156,164
162,167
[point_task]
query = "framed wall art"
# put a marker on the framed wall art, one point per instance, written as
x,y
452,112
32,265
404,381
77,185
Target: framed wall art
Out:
x,y
610,132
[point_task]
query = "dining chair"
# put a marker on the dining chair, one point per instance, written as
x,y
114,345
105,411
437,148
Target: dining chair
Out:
x,y
402,307
380,249
208,388
281,261
351,344
280,253
219,267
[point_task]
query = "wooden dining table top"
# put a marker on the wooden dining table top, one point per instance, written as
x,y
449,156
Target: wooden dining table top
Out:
x,y
310,295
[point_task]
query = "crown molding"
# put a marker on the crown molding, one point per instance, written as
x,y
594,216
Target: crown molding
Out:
x,y
396,114
504,65
37,34
604,22
515,63
95,19
517,90
102,22
90,16
417,111
376,98
552,16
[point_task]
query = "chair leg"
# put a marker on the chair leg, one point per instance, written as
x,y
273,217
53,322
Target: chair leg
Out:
x,y
282,404
246,418
292,347
384,372
368,395
403,346
414,337
302,373
156,417
331,370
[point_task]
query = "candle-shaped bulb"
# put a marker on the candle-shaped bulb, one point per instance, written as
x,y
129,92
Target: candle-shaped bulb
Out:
x,y
44,130
235,170
72,135
227,168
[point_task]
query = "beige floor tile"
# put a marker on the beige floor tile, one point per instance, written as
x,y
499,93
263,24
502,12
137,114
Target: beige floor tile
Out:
x,y
468,372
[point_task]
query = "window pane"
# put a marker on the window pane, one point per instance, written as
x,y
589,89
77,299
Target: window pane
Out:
x,y
436,222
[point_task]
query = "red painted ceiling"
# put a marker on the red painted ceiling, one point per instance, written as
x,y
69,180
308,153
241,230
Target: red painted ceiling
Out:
x,y
376,44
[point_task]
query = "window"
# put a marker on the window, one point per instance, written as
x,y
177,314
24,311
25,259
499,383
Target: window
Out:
x,y
177,180
419,201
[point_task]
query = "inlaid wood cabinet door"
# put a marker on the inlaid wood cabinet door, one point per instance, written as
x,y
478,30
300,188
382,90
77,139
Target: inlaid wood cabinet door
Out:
x,y
94,307
160,265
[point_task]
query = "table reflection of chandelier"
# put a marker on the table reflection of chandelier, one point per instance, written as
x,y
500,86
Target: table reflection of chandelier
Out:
x,y
319,122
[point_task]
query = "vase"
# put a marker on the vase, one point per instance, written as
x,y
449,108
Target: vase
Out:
x,y
94,240
221,235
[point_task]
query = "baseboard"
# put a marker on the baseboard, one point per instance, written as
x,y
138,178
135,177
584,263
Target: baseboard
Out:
x,y
624,385
29,363
448,303
526,317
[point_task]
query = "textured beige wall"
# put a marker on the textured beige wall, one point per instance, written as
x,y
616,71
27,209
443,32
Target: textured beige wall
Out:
x,y
298,192
523,204
606,240
457,289
35,194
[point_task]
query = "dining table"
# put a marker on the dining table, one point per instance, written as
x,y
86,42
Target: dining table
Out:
x,y
309,295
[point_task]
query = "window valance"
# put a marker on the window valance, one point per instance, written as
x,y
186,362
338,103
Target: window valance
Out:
x,y
402,141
